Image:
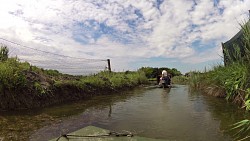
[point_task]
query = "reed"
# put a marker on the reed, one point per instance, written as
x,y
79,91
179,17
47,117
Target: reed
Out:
x,y
183,80
231,81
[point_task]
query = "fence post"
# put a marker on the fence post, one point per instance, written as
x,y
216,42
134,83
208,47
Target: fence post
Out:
x,y
109,66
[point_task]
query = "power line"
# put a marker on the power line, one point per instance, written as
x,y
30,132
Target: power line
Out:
x,y
50,52
62,63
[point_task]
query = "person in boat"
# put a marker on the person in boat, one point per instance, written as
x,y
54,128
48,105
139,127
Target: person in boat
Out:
x,y
166,77
169,79
164,74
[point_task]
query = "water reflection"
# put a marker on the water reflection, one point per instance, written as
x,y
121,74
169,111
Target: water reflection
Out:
x,y
171,114
110,110
166,92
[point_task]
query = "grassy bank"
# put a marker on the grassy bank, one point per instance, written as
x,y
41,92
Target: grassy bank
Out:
x,y
231,82
24,86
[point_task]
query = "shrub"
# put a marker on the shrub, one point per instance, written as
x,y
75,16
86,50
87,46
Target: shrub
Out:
x,y
11,76
4,53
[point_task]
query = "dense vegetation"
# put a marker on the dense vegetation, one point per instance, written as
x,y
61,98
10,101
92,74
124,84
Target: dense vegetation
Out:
x,y
181,79
231,81
151,72
26,86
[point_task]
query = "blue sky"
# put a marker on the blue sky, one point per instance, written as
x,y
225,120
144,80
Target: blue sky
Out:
x,y
183,34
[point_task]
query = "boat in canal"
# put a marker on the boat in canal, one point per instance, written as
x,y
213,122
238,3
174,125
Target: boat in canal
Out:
x,y
92,133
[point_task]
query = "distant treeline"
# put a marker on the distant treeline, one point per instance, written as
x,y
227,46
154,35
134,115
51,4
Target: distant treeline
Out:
x,y
151,72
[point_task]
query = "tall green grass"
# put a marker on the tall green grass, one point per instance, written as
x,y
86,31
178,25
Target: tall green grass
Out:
x,y
108,80
181,79
26,86
231,81
11,76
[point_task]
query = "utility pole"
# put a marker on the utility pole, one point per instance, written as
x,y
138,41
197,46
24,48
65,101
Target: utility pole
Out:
x,y
109,66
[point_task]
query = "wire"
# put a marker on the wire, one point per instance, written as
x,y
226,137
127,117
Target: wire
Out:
x,y
62,63
48,52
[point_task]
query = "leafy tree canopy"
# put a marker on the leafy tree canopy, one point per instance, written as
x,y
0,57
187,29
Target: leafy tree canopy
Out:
x,y
154,72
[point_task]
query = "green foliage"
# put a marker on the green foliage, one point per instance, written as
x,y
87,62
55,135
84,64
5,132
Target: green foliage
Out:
x,y
19,79
115,80
52,72
39,88
247,103
247,93
151,72
175,72
233,80
239,50
195,80
11,76
180,80
107,81
246,40
96,81
236,81
4,53
243,128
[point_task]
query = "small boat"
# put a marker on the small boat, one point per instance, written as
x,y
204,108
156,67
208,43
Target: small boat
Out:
x,y
165,82
92,133
162,84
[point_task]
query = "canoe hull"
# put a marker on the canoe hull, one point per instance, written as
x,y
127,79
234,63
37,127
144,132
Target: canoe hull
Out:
x,y
92,133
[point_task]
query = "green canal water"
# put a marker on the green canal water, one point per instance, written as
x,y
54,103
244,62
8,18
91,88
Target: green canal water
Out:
x,y
174,114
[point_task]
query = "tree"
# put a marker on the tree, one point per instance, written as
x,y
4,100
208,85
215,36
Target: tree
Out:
x,y
151,72
148,71
175,72
4,51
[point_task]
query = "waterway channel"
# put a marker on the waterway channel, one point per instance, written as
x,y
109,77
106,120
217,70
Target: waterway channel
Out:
x,y
174,114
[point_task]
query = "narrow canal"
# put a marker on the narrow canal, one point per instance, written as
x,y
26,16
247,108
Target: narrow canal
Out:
x,y
174,114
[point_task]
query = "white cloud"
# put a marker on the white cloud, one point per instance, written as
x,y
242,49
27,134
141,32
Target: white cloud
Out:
x,y
209,55
122,29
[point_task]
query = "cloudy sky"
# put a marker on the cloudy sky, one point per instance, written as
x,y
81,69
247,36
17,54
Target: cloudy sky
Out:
x,y
182,34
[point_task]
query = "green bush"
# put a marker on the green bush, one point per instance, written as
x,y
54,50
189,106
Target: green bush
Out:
x,y
233,79
52,72
4,53
180,80
11,76
39,88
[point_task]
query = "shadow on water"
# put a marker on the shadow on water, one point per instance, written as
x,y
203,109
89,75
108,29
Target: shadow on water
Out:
x,y
171,114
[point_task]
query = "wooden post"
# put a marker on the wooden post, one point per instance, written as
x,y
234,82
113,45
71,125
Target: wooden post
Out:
x,y
109,66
